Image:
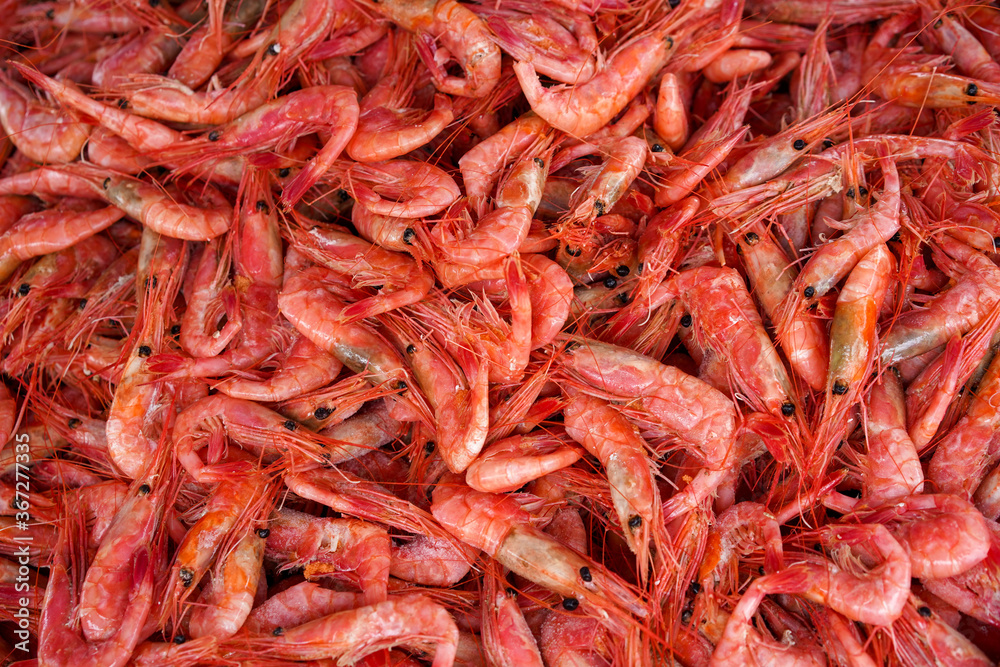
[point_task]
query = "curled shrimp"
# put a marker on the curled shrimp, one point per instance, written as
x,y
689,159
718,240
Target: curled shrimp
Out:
x,y
42,133
401,188
891,467
509,464
162,213
229,596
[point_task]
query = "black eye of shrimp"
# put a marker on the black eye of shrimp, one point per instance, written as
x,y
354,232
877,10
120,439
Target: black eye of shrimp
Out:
x,y
82,304
585,574
186,576
839,387
827,143
972,90
850,193
569,604
751,238
261,205
278,631
145,351
144,490
429,447
657,148
262,533
925,612
539,162
809,292
611,282
107,183
622,271
695,587
273,49
411,348
180,639
322,413
74,423
23,289
599,207
573,252
283,172
634,522
799,144
408,235
686,320
175,330
788,408
289,424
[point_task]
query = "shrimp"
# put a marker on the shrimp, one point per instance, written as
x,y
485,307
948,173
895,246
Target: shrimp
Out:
x,y
891,469
444,21
483,164
399,279
499,526
165,215
573,641
106,149
944,535
401,188
229,597
584,108
51,230
204,50
432,561
601,190
933,90
305,368
670,115
297,605
507,639
509,464
205,332
42,133
616,443
922,637
344,548
412,620
550,290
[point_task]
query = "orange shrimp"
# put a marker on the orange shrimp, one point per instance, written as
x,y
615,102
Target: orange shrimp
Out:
x,y
229,596
483,164
507,639
106,149
401,188
304,369
891,468
509,464
670,116
42,133
584,108
498,525
297,605
933,90
165,215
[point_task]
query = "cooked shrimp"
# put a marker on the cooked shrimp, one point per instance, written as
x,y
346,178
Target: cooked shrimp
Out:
x,y
509,464
507,639
483,164
891,468
167,216
229,596
42,133
401,188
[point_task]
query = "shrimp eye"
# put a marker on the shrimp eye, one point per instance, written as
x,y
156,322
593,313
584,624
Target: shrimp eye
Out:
x,y
400,385
82,304
657,148
809,292
278,631
739,249
573,252
622,271
895,238
686,320
761,569
51,14
571,345
322,413
788,408
938,23
996,241
686,616
670,40
145,351
751,238
273,49
289,424
214,135
863,191
895,371
799,144
261,205
123,103
429,447
638,269
262,533
585,574
599,206
827,143
186,576
569,604
972,90
539,162
695,587
850,193
284,171
408,235
611,282
411,348
180,639
839,387
107,183
634,522
673,3
24,289
624,299
74,423
175,330
925,612
144,490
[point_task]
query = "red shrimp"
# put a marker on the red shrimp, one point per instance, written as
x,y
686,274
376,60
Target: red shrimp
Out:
x,y
165,215
891,468
509,464
297,605
401,188
304,369
507,639
42,133
483,164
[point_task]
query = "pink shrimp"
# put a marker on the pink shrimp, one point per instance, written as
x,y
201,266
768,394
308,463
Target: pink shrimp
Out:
x,y
401,188
921,636
304,369
444,21
432,561
582,109
507,639
42,133
973,591
412,620
891,468
481,165
167,216
509,464
297,605
499,526
229,597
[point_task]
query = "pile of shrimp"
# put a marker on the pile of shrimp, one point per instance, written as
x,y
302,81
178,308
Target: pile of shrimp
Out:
x,y
552,333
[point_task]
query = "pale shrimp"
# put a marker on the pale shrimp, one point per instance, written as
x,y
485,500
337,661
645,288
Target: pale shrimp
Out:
x,y
891,468
368,429
248,424
42,133
560,43
507,639
498,525
233,505
313,310
741,643
724,313
357,551
401,188
962,455
165,215
954,311
296,605
398,279
670,115
444,21
616,443
104,592
803,338
509,464
933,90
348,636
584,108
51,230
228,597
456,387
600,191
482,165
431,561
944,535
